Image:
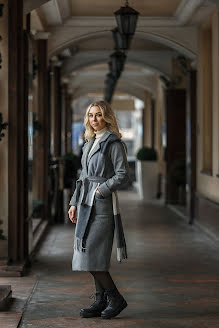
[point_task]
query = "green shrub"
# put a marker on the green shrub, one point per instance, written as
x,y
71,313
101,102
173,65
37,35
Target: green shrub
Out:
x,y
146,154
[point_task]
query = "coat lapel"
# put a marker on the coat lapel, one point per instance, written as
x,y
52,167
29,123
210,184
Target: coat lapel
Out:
x,y
97,147
86,151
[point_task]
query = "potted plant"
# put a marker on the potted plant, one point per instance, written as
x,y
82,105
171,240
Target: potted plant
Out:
x,y
147,173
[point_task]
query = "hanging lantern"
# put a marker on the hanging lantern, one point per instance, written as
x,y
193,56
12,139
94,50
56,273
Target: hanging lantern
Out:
x,y
126,18
111,80
117,59
110,85
121,41
108,94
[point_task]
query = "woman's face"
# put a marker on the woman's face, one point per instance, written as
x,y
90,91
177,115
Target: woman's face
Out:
x,y
96,118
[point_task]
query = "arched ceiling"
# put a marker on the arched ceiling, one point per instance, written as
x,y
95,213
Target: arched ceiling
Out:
x,y
134,80
79,34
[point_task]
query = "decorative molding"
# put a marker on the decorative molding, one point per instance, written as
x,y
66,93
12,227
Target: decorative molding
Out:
x,y
109,22
30,5
57,8
55,15
40,35
65,8
180,39
56,11
52,14
182,14
186,9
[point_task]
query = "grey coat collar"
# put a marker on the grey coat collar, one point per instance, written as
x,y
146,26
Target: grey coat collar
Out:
x,y
88,146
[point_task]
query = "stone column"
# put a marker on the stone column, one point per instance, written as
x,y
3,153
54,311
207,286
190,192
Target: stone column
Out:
x,y
17,136
4,190
69,122
147,128
64,119
56,111
56,125
42,142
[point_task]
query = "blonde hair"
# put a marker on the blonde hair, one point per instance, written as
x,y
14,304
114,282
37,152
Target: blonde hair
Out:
x,y
108,116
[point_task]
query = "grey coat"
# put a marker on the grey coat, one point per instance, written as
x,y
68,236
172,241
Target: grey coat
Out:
x,y
106,168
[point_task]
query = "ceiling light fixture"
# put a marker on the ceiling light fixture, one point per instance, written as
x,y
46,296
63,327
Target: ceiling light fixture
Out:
x,y
126,18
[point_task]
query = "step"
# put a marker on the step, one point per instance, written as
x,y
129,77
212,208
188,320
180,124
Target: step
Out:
x,y
13,270
11,267
10,274
5,296
3,262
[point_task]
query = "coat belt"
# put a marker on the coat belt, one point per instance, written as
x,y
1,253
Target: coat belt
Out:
x,y
85,183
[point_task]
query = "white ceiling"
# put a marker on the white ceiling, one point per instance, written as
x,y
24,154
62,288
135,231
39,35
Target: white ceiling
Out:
x,y
80,34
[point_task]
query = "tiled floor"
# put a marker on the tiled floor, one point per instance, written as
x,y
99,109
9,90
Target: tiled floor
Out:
x,y
171,279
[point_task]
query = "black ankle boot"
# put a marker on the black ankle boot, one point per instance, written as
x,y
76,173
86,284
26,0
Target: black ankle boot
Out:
x,y
95,309
116,303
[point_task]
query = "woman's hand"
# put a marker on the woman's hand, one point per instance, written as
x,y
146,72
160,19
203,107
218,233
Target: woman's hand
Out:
x,y
98,191
72,214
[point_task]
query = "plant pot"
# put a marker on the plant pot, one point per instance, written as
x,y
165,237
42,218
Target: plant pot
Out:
x,y
147,179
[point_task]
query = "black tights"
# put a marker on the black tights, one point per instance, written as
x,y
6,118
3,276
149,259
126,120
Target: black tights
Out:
x,y
103,280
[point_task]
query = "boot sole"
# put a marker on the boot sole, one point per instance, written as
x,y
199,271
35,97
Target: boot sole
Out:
x,y
116,312
89,315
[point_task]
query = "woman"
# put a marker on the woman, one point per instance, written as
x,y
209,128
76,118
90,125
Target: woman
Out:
x,y
104,170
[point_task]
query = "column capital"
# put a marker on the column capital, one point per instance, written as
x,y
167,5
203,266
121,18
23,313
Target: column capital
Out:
x,y
40,35
65,80
55,61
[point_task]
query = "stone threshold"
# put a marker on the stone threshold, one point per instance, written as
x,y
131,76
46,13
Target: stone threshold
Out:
x,y
5,296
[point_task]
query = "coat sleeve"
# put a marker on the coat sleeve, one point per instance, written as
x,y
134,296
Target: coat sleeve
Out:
x,y
73,201
121,169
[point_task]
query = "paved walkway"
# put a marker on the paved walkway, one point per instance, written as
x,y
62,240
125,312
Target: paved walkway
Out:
x,y
171,279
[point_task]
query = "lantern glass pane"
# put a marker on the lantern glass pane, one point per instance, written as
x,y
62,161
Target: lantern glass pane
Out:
x,y
119,23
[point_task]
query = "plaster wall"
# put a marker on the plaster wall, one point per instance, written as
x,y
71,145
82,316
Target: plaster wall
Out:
x,y
147,120
159,121
208,184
